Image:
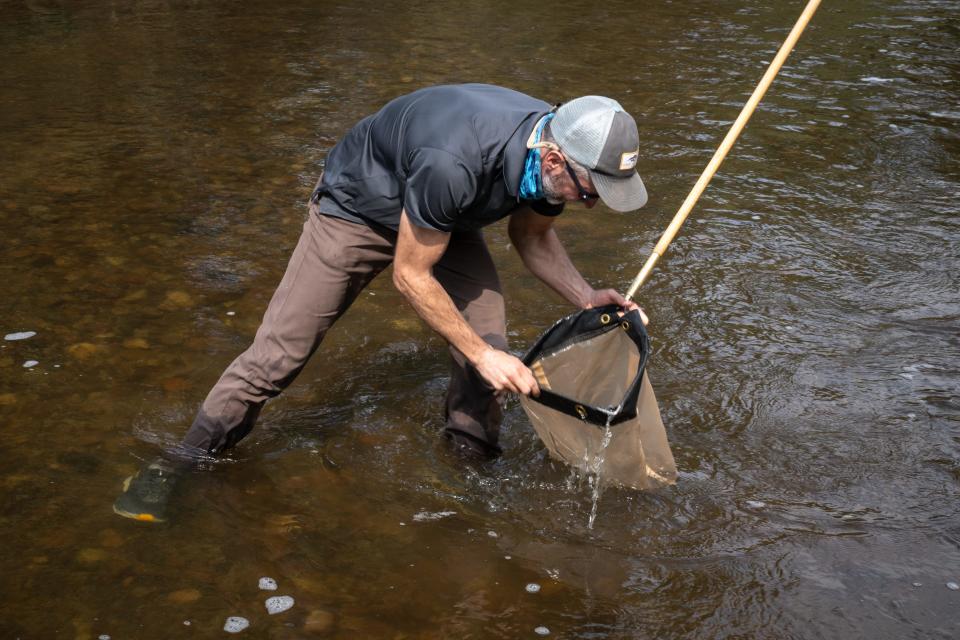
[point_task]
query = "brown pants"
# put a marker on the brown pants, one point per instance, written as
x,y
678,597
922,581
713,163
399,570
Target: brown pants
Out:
x,y
333,262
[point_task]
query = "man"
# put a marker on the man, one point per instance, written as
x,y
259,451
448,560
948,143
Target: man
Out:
x,y
413,184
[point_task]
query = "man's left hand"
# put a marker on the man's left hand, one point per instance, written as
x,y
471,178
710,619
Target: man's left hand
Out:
x,y
601,297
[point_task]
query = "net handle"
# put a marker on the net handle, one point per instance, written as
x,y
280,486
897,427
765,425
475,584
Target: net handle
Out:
x,y
724,147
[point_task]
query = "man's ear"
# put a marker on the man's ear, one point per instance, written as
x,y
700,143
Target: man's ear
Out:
x,y
552,161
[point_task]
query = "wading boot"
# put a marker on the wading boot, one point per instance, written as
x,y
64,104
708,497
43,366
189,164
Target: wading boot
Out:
x,y
146,493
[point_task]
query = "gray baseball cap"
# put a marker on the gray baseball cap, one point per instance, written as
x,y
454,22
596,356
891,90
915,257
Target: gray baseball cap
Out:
x,y
597,132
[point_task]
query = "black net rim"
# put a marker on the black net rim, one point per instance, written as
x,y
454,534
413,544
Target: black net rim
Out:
x,y
584,325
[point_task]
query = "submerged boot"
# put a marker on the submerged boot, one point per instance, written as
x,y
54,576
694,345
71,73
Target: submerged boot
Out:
x,y
146,493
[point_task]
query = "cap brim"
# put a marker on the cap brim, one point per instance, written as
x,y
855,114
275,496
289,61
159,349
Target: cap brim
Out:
x,y
620,194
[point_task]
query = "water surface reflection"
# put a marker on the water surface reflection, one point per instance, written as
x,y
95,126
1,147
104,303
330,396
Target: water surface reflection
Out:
x,y
804,327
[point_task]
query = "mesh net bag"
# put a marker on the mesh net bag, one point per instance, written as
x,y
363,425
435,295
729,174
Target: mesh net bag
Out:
x,y
596,410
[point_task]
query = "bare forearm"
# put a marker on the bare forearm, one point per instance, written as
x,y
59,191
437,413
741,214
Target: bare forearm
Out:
x,y
418,250
545,257
434,305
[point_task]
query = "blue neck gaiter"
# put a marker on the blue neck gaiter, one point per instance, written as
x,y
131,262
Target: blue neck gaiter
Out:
x,y
531,186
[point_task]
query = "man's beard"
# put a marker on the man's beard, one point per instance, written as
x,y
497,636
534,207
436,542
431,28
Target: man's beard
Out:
x,y
550,189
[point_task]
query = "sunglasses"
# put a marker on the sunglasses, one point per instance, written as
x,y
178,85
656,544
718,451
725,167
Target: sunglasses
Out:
x,y
585,196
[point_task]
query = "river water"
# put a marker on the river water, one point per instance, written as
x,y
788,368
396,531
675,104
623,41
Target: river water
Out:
x,y
805,327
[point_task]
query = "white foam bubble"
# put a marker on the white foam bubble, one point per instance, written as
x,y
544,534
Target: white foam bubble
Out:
x,y
953,586
235,624
20,335
426,516
756,504
268,584
493,534
103,636
542,631
29,364
278,604
533,587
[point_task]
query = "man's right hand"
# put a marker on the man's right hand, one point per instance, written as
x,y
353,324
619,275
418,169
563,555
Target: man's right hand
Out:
x,y
506,373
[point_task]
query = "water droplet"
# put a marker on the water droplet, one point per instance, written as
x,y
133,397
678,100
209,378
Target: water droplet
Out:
x,y
533,587
20,335
542,631
268,584
235,624
278,604
29,364
953,586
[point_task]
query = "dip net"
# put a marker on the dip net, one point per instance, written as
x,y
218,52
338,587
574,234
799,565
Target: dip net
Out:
x,y
596,410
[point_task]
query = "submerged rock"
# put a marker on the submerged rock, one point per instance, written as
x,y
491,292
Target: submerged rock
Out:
x,y
319,621
135,343
90,555
111,539
278,604
235,624
183,596
83,350
178,299
268,584
20,335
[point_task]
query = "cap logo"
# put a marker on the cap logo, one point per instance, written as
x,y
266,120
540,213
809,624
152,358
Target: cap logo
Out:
x,y
628,160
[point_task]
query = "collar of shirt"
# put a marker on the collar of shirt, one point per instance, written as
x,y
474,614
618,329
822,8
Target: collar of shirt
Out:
x,y
515,154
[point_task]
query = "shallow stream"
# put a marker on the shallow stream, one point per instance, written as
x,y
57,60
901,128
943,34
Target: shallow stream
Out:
x,y
805,327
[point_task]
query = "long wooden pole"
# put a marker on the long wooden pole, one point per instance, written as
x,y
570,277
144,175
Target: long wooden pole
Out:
x,y
724,147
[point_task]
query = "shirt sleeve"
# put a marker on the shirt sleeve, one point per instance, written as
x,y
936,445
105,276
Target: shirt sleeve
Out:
x,y
439,187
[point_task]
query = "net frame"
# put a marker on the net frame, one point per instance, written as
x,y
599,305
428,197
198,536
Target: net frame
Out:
x,y
580,327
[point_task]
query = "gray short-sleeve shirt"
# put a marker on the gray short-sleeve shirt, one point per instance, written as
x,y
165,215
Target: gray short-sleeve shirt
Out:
x,y
451,156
